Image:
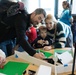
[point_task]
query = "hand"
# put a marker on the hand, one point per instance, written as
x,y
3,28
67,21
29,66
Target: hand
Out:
x,y
40,41
46,42
47,48
2,62
39,55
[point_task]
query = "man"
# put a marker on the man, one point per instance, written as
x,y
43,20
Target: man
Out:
x,y
19,23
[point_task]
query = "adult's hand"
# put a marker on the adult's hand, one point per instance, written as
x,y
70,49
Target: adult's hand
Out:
x,y
2,58
2,61
39,55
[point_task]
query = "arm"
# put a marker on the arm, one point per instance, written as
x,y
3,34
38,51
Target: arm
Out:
x,y
70,18
20,26
60,38
2,58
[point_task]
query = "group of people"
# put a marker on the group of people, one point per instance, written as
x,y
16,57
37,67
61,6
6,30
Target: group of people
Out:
x,y
56,34
53,35
59,31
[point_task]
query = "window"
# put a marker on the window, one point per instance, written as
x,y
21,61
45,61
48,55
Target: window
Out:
x,y
31,5
48,5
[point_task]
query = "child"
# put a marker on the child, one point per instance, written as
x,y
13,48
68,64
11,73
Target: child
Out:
x,y
43,39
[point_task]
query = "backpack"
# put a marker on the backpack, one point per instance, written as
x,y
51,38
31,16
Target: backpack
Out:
x,y
9,9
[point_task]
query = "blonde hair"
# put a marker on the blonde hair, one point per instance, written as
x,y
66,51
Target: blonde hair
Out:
x,y
51,17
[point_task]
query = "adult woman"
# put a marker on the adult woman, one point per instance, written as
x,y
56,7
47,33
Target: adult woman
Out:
x,y
59,32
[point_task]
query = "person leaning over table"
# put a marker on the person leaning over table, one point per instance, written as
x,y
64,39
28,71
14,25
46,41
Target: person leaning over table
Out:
x,y
59,32
2,58
19,23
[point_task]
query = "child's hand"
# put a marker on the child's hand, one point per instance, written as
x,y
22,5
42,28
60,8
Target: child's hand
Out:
x,y
46,42
40,41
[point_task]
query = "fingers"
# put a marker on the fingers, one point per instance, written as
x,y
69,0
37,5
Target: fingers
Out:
x,y
42,56
39,55
2,65
2,60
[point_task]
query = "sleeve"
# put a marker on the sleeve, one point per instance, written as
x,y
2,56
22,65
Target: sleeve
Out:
x,y
20,26
60,39
69,14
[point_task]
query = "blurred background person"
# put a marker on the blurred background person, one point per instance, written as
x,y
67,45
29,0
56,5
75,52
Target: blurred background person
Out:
x,y
66,16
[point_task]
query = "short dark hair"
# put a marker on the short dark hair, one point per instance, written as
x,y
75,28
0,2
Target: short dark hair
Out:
x,y
40,11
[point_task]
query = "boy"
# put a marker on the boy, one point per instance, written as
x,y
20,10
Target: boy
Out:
x,y
43,39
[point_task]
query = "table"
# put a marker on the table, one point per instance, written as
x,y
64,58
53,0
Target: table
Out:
x,y
31,66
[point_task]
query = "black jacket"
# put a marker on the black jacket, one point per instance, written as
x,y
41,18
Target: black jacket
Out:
x,y
15,27
37,45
